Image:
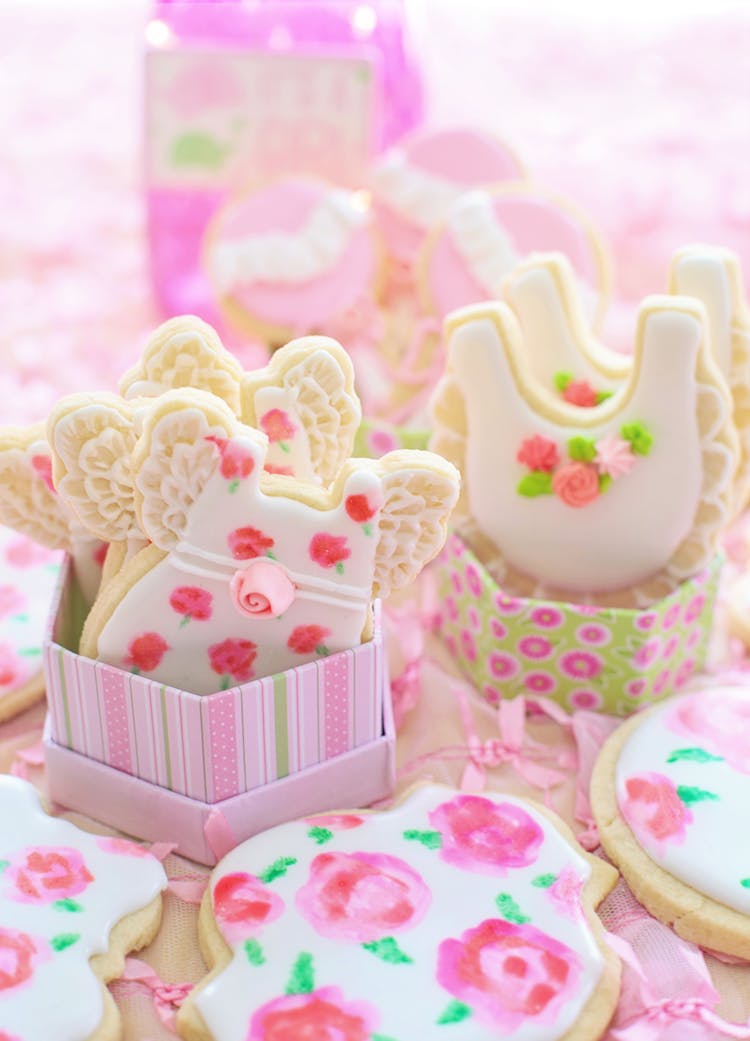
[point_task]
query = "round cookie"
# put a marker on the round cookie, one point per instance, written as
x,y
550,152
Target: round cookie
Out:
x,y
669,794
414,184
28,575
290,257
451,915
488,231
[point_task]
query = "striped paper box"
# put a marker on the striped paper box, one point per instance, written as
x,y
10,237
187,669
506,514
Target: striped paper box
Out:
x,y
215,746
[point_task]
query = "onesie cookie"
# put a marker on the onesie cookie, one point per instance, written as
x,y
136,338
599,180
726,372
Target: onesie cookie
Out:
x,y
451,915
669,794
73,905
563,495
290,257
487,232
250,573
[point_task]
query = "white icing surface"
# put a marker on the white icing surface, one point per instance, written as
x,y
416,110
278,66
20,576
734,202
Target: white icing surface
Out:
x,y
484,245
62,1001
408,999
423,198
711,854
285,257
704,276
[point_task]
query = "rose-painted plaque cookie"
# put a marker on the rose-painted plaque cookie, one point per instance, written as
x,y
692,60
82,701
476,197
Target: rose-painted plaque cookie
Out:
x,y
292,256
415,183
250,573
73,905
564,496
451,916
487,232
670,794
567,359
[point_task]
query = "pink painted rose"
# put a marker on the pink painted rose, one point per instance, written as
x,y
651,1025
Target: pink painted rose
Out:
x,y
12,601
484,836
539,453
719,720
262,589
329,550
362,897
243,905
24,552
308,639
146,651
653,808
233,660
191,602
359,508
509,974
322,1015
121,847
12,668
236,460
19,953
248,543
43,874
576,484
335,821
565,893
580,393
276,425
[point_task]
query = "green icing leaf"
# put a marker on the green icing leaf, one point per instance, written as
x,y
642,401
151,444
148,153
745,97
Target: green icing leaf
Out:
x,y
302,979
429,839
388,950
693,755
535,483
604,482
277,870
582,449
640,438
64,940
603,395
30,652
544,881
320,835
510,910
196,148
456,1012
745,883
3,865
254,952
689,794
381,1037
561,380
67,905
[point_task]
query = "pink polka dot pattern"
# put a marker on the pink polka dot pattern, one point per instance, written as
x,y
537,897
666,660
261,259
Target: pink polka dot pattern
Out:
x,y
337,683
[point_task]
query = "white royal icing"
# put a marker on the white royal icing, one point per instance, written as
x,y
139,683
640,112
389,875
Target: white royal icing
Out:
x,y
289,258
683,785
485,246
79,887
413,192
377,911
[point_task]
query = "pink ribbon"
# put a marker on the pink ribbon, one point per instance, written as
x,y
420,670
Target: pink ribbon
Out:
x,y
188,888
27,757
218,833
167,997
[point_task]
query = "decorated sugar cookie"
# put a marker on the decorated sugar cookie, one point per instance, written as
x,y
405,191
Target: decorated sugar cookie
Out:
x,y
568,360
449,916
291,257
28,575
568,497
669,794
487,232
249,573
304,400
73,904
30,505
415,183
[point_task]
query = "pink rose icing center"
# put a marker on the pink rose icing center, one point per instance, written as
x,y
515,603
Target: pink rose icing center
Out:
x,y
263,589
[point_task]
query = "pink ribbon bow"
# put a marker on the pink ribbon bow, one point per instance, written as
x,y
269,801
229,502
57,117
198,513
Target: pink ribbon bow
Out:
x,y
167,997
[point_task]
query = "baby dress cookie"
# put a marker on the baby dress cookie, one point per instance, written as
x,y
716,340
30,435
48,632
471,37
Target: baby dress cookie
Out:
x,y
669,795
450,916
414,184
488,231
249,573
73,905
291,256
568,360
567,498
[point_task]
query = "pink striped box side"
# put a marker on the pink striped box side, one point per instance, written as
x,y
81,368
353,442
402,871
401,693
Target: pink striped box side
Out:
x,y
217,746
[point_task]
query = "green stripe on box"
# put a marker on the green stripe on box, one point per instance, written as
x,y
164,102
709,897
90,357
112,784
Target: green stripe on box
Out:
x,y
165,731
280,725
66,706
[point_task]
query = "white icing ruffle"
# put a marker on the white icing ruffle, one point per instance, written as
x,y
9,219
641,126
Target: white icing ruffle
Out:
x,y
423,198
484,245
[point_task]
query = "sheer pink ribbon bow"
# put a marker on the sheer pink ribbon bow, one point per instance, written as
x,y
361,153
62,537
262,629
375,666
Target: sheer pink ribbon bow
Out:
x,y
167,997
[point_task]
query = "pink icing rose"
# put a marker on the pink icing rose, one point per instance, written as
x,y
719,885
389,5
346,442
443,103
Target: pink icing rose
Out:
x,y
276,425
509,974
580,393
243,905
12,601
262,589
233,659
322,1015
191,602
308,639
565,893
539,453
362,897
336,821
576,484
19,954
653,808
236,461
718,720
484,836
24,553
145,652
43,874
329,550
